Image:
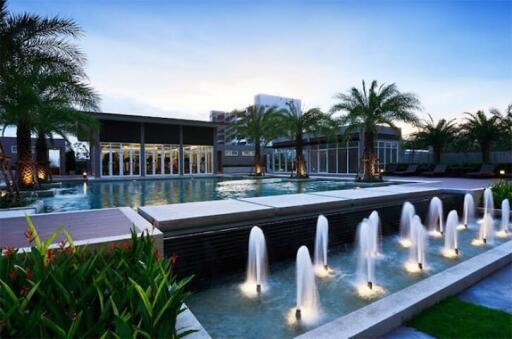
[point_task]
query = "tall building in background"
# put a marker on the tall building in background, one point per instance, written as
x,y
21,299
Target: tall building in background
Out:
x,y
273,100
224,119
238,157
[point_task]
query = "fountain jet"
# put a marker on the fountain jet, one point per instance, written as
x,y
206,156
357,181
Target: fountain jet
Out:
x,y
469,209
405,223
450,235
321,242
307,294
257,264
486,233
375,233
505,217
366,258
488,203
435,216
418,244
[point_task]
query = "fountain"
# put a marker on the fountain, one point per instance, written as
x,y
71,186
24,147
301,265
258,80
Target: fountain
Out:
x,y
505,218
469,209
435,217
366,266
451,247
488,202
257,264
307,294
486,233
374,232
405,223
418,246
321,244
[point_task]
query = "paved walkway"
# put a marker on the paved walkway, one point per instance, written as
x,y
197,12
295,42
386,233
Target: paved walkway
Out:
x,y
493,292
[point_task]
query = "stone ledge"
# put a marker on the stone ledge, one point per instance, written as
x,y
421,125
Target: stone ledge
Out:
x,y
392,311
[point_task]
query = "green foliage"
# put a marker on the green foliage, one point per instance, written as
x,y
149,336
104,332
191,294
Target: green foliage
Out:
x,y
436,135
68,291
483,131
454,318
10,200
367,109
500,191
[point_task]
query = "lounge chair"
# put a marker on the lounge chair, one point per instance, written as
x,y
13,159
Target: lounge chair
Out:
x,y
486,171
411,170
438,170
390,169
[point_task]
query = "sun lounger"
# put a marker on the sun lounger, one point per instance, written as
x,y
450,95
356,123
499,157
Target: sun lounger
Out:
x,y
486,171
438,170
411,170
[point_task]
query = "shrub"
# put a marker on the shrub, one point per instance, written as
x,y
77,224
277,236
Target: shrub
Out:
x,y
500,191
126,291
9,200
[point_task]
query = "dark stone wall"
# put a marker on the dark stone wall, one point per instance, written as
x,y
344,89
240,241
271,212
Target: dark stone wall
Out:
x,y
119,131
195,135
161,134
210,254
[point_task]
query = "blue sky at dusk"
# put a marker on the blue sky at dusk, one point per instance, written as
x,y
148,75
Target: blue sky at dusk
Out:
x,y
185,58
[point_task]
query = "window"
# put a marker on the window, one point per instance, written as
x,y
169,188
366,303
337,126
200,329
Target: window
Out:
x,y
14,149
230,153
247,153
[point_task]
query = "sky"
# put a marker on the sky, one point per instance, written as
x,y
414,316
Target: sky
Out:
x,y
186,58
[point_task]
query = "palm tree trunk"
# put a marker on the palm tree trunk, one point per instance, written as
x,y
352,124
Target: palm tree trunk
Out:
x,y
42,159
25,164
300,164
486,150
369,161
258,169
437,154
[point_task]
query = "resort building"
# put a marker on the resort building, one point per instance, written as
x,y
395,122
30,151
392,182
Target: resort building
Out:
x,y
340,156
56,152
130,145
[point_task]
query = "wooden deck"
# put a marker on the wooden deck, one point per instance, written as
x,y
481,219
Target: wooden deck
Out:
x,y
82,225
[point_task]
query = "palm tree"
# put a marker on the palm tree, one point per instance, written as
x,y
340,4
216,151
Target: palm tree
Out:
x,y
298,123
482,130
29,44
258,125
506,126
436,135
367,109
61,97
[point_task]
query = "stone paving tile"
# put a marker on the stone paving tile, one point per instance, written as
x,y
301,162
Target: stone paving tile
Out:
x,y
493,292
406,333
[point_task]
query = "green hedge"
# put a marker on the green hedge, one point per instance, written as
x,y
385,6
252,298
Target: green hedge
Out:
x,y
125,291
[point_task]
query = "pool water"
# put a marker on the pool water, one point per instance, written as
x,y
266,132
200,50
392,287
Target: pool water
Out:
x,y
226,311
135,193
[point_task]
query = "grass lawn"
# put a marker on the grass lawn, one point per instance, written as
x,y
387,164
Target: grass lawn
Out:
x,y
454,318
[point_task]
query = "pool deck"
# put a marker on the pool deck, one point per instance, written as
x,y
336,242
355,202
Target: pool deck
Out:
x,y
91,227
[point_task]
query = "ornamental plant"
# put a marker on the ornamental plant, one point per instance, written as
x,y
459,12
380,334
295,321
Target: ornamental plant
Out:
x,y
501,190
66,291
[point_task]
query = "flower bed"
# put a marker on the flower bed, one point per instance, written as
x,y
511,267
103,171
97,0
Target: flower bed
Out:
x,y
72,291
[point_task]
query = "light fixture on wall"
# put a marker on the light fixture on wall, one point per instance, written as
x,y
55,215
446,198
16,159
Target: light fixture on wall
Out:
x,y
84,175
502,172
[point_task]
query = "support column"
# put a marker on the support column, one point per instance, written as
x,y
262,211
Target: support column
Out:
x,y
180,153
142,161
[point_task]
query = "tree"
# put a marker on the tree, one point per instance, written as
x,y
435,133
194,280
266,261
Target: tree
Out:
x,y
31,45
367,109
297,123
57,113
435,135
506,127
482,130
258,125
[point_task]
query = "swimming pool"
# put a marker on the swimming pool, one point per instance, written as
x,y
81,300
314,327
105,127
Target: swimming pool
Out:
x,y
135,193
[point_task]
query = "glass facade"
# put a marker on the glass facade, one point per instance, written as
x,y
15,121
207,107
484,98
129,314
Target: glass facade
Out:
x,y
387,152
334,158
125,159
120,159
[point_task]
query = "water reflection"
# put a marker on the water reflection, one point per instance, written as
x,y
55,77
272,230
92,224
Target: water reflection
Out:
x,y
135,193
